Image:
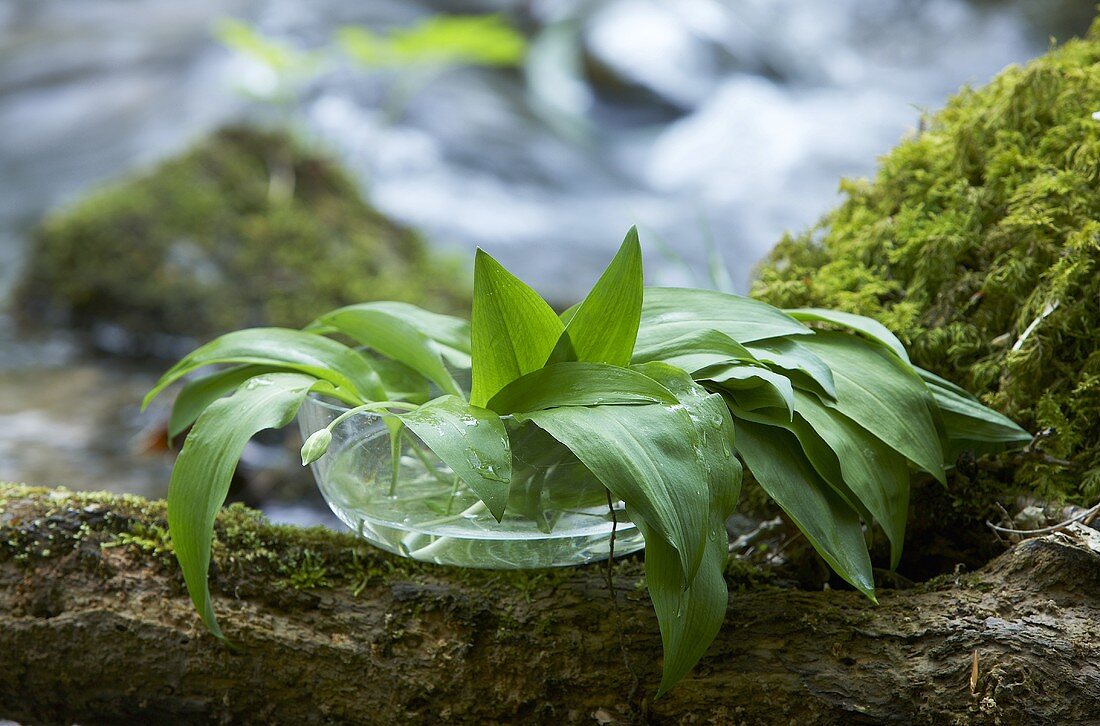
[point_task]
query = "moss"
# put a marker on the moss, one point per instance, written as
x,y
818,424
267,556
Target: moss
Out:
x,y
247,228
978,242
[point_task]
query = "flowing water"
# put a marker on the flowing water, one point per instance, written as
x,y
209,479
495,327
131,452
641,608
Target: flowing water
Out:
x,y
729,121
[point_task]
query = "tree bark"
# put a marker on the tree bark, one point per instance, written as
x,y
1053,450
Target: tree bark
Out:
x,y
95,627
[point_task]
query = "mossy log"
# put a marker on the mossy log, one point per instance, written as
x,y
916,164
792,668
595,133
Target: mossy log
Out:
x,y
95,627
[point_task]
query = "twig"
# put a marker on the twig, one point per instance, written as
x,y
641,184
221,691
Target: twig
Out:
x,y
615,599
1087,514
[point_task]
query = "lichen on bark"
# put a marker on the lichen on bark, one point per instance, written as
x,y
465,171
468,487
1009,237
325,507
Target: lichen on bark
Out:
x,y
978,243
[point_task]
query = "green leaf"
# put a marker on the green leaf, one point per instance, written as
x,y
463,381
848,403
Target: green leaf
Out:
x,y
968,424
883,395
646,456
200,479
603,329
291,350
805,369
513,330
752,387
695,350
401,382
199,393
451,334
829,523
875,473
670,312
393,337
472,441
863,325
578,384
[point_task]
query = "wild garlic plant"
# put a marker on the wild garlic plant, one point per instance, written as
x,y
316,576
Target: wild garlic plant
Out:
x,y
663,394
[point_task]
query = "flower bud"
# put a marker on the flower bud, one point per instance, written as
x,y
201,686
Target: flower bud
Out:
x,y
316,446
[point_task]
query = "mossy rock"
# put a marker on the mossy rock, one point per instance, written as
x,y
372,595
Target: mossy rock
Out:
x,y
978,243
247,228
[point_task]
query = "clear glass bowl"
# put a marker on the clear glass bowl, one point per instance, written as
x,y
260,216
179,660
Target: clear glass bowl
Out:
x,y
557,511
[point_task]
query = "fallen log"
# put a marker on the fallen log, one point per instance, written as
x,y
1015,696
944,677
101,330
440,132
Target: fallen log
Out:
x,y
96,627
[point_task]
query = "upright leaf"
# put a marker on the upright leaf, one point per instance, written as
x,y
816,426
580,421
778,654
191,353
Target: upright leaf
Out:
x,y
578,384
200,479
670,312
393,337
646,456
513,330
289,350
883,395
603,329
472,441
868,327
829,523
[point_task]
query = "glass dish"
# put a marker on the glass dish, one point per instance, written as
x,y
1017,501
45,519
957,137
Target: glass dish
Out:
x,y
557,510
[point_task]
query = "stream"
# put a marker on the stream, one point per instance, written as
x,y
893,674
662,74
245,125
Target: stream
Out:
x,y
708,122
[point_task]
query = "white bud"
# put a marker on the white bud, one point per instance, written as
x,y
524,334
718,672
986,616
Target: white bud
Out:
x,y
316,446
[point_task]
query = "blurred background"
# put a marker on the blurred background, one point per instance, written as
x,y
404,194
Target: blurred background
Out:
x,y
169,171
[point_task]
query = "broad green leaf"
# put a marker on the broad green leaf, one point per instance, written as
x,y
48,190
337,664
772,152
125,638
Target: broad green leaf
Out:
x,y
472,441
690,617
200,479
670,312
883,395
199,393
695,350
291,350
713,427
753,387
451,334
394,338
797,363
875,473
646,456
829,523
863,325
970,425
513,329
578,384
603,329
868,474
401,382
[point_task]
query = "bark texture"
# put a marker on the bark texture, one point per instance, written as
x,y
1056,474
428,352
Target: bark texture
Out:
x,y
95,627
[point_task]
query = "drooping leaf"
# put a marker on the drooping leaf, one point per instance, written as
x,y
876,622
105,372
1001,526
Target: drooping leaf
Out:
x,y
472,441
752,386
200,478
401,382
199,393
876,473
394,337
451,334
284,349
970,425
605,325
882,394
690,617
805,369
868,327
695,350
578,384
646,456
868,474
513,330
829,523
670,312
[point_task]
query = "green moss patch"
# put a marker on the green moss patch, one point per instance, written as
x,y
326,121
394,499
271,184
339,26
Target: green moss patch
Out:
x,y
249,227
978,242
